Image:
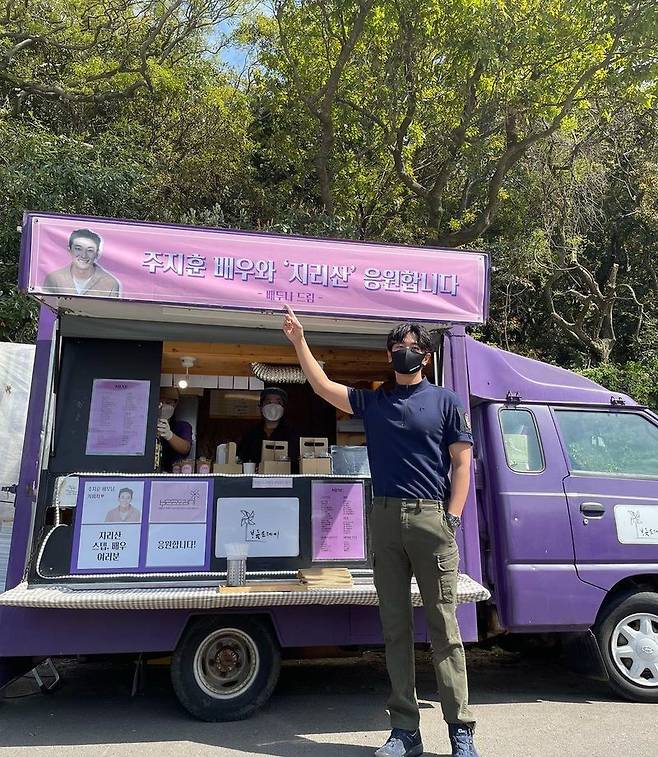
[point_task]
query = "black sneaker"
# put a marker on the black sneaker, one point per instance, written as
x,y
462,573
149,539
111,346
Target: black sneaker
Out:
x,y
461,740
401,743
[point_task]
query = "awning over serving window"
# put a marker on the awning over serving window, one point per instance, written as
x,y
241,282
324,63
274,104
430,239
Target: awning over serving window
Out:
x,y
141,271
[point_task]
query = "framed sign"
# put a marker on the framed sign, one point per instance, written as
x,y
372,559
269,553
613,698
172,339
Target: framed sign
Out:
x,y
108,526
178,524
141,525
338,521
268,525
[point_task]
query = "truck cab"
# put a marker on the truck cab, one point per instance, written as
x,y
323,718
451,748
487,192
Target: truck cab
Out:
x,y
567,499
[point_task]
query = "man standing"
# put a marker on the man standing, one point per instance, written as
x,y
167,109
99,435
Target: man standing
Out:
x,y
419,447
83,275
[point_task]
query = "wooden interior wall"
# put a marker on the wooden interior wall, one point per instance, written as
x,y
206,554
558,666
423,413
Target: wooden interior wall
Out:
x,y
234,360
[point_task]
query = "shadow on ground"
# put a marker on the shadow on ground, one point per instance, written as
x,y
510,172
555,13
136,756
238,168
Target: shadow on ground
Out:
x,y
339,700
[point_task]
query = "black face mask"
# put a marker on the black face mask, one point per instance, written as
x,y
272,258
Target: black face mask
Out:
x,y
407,361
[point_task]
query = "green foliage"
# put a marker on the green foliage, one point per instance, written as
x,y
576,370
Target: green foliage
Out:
x,y
444,99
638,380
45,171
113,109
85,52
528,129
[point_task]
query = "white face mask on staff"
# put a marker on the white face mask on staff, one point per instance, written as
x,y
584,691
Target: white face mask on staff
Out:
x,y
272,412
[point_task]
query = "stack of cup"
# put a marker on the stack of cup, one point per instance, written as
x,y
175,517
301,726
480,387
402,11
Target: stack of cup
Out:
x,y
236,564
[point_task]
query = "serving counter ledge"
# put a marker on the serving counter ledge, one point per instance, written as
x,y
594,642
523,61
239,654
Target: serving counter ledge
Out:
x,y
209,597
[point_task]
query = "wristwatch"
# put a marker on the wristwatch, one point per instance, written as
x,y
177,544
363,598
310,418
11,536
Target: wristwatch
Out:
x,y
454,521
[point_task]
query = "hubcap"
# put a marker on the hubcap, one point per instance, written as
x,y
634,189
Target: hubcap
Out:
x,y
226,663
634,647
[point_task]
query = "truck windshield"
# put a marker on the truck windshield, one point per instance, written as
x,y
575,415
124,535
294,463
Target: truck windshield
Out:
x,y
609,442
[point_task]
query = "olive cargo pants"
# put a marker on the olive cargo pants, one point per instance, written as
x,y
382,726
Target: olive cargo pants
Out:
x,y
413,537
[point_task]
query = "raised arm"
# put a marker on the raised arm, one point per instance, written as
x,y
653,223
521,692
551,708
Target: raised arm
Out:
x,y
334,393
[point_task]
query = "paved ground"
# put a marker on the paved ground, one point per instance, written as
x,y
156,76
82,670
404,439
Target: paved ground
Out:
x,y
327,708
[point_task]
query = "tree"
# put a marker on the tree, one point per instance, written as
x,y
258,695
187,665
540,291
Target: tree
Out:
x,y
575,245
99,51
456,93
333,33
112,108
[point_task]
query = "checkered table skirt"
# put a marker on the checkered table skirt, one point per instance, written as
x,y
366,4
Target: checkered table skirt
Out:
x,y
194,598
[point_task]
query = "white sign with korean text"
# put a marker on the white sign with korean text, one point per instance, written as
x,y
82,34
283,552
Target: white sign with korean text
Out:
x,y
66,489
111,525
176,545
268,525
271,482
109,547
637,524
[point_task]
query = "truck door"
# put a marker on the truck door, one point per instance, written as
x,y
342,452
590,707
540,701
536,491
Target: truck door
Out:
x,y
530,552
612,491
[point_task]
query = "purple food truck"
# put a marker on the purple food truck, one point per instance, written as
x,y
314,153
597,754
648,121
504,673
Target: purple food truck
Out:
x,y
119,549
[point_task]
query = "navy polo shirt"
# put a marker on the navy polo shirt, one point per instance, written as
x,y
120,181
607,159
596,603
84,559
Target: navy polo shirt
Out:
x,y
408,432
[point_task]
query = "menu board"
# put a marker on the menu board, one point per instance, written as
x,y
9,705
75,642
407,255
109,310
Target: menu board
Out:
x,y
139,525
338,521
117,417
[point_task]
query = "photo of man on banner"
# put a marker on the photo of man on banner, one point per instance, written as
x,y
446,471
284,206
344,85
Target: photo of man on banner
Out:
x,y
83,275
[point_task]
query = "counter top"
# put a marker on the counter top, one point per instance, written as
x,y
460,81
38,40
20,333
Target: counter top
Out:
x,y
207,597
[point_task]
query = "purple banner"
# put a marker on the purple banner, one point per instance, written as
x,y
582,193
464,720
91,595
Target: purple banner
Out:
x,y
89,257
338,521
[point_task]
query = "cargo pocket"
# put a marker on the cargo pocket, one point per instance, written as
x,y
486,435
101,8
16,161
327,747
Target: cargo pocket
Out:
x,y
447,564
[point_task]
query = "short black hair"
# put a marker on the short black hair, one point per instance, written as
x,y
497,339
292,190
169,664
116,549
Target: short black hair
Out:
x,y
422,335
85,233
126,489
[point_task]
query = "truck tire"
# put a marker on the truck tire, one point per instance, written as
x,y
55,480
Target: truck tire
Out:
x,y
225,668
627,634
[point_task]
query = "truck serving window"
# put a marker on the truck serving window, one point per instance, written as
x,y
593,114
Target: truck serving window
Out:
x,y
521,441
609,442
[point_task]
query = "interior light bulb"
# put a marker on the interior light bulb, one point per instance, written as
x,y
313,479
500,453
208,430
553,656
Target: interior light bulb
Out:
x,y
182,383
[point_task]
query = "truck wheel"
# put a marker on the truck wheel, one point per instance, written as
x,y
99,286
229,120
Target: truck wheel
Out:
x,y
628,638
225,668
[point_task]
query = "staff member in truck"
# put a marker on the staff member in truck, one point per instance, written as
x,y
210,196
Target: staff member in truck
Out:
x,y
273,426
175,435
419,447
